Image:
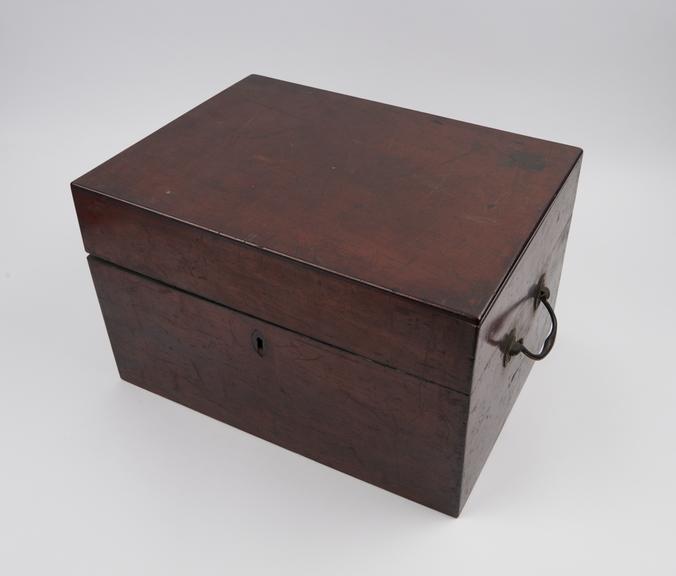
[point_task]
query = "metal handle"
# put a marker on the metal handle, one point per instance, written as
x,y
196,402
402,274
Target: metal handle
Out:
x,y
514,346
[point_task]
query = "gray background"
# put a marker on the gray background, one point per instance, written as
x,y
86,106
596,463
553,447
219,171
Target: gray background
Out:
x,y
100,477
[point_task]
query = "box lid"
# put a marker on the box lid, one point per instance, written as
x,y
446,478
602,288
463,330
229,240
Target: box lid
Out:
x,y
433,209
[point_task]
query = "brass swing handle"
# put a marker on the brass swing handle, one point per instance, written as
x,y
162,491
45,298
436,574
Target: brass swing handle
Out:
x,y
514,347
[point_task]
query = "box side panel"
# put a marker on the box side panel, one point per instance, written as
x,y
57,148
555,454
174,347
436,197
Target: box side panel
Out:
x,y
495,386
427,342
369,421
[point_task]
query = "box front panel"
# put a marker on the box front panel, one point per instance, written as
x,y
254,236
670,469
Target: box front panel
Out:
x,y
373,422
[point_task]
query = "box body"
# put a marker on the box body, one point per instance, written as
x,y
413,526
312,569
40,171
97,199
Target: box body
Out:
x,y
320,329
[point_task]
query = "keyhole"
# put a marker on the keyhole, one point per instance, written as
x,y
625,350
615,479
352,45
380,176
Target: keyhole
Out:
x,y
258,342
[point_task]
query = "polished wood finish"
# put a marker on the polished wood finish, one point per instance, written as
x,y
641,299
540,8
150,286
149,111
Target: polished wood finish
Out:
x,y
334,275
434,209
385,327
495,387
369,421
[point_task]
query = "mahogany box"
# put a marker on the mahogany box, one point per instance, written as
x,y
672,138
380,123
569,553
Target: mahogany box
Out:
x,y
365,285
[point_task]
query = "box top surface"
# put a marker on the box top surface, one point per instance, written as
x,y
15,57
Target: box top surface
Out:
x,y
430,208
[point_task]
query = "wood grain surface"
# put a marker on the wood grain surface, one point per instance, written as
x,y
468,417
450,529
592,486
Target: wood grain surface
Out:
x,y
435,209
333,275
495,387
371,422
418,339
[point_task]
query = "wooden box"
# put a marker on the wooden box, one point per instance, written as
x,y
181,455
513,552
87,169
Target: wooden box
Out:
x,y
356,282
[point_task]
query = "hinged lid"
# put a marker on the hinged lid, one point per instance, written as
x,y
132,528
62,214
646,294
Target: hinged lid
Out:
x,y
434,209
